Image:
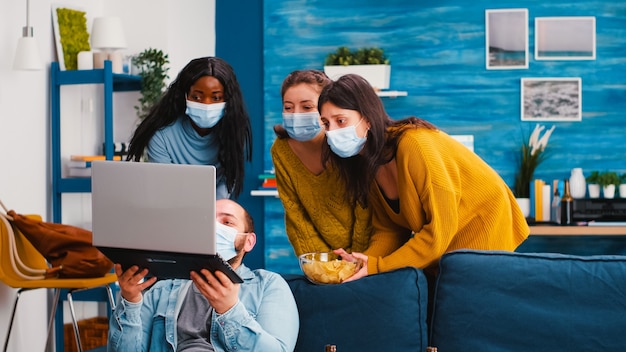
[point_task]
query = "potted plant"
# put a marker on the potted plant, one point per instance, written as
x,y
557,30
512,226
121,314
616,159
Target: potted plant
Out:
x,y
608,180
151,64
370,63
593,184
622,185
531,155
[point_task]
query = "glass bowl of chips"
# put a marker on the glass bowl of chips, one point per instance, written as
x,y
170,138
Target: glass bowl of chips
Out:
x,y
327,267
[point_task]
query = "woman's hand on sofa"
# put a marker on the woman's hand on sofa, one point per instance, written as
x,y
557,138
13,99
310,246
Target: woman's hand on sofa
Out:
x,y
352,256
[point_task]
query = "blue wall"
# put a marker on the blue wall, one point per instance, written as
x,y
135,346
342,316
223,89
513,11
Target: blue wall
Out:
x,y
437,52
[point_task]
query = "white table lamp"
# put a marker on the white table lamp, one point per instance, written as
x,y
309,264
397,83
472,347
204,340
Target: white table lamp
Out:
x,y
107,34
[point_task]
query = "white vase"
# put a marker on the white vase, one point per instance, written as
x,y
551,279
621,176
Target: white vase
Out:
x,y
577,184
85,60
594,190
622,190
608,191
524,205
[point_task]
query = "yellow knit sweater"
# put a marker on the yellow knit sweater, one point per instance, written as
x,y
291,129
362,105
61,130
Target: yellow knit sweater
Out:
x,y
317,218
449,199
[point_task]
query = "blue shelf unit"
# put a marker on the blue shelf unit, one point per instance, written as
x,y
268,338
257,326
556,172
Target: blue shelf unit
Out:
x,y
112,82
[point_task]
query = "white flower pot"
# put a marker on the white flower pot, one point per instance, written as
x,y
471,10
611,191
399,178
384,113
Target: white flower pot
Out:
x,y
577,183
622,191
524,205
608,191
377,75
594,190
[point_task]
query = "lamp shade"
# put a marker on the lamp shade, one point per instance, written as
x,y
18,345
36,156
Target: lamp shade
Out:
x,y
107,33
27,56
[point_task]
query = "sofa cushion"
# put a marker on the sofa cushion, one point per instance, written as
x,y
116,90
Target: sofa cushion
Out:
x,y
370,314
502,301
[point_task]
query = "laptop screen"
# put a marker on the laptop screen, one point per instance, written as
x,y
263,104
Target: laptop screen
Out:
x,y
158,216
151,206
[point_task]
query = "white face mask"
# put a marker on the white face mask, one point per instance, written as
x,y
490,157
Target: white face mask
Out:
x,y
302,126
345,142
205,115
225,240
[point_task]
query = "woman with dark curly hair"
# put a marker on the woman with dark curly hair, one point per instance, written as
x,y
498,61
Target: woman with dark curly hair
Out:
x,y
201,119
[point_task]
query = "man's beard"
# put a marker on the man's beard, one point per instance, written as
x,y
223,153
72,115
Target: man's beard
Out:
x,y
238,258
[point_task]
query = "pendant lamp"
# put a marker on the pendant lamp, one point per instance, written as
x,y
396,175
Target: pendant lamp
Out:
x,y
27,56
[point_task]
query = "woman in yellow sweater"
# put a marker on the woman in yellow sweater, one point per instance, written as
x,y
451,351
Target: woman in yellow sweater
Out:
x,y
317,217
425,189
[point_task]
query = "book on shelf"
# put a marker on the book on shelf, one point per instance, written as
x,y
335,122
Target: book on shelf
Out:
x,y
78,164
536,197
546,202
79,172
541,200
268,180
92,157
269,183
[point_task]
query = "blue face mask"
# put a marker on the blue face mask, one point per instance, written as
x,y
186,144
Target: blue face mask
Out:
x,y
302,126
205,115
345,142
225,240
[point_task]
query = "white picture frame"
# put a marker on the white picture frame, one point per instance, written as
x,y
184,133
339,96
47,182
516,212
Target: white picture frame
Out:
x,y
57,31
565,38
506,39
551,99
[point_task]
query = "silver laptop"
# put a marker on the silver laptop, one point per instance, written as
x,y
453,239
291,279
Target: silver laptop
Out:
x,y
156,216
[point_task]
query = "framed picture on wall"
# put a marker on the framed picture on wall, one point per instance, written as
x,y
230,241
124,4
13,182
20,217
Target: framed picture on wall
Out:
x,y
565,38
551,99
506,39
70,34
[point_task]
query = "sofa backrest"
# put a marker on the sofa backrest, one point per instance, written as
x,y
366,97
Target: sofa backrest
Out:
x,y
382,312
502,301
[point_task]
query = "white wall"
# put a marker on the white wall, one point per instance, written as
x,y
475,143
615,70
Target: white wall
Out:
x,y
184,29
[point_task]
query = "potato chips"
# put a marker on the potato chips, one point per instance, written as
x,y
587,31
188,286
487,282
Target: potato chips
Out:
x,y
332,271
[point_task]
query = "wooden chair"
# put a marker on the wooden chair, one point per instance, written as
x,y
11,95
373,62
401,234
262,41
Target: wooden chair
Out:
x,y
22,267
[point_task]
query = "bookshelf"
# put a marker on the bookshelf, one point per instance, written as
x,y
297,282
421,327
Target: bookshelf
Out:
x,y
112,82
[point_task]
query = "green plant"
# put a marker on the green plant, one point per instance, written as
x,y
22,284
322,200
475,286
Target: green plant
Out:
x,y
363,56
153,72
608,178
532,154
593,177
73,35
622,179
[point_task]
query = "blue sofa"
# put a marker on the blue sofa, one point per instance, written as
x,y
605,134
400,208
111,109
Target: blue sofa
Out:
x,y
483,301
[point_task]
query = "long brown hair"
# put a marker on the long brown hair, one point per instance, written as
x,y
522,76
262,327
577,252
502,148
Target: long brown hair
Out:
x,y
315,78
353,92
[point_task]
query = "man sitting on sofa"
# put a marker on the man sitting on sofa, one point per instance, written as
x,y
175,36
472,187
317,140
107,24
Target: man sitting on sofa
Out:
x,y
208,312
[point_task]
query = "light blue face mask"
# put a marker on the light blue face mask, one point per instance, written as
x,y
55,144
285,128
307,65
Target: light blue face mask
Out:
x,y
225,240
205,115
345,142
302,126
